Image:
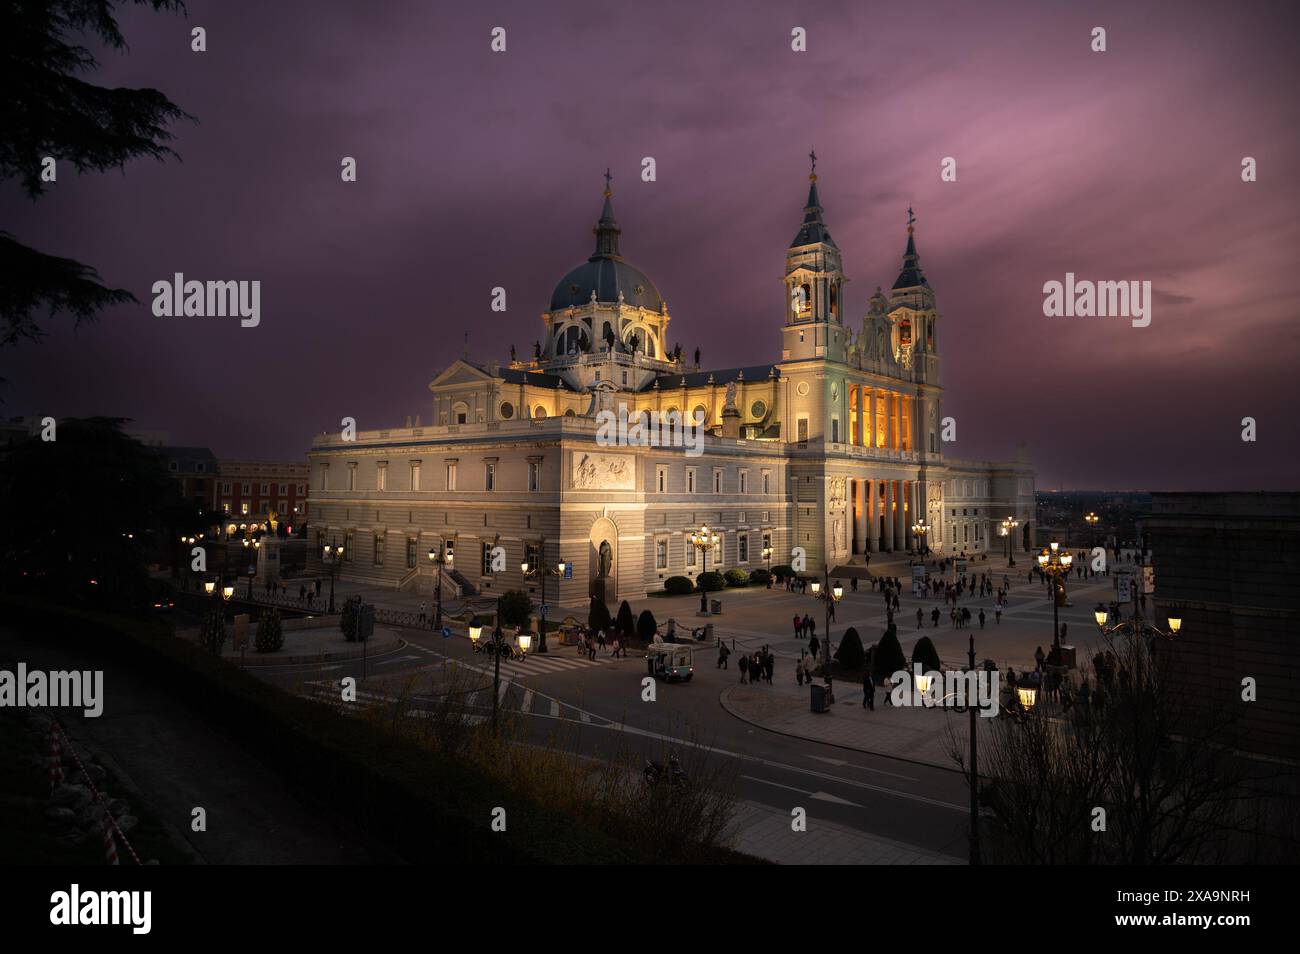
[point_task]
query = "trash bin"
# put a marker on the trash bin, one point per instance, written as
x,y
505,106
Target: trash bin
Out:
x,y
818,698
708,632
715,607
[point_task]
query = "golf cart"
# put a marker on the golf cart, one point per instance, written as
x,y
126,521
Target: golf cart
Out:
x,y
671,662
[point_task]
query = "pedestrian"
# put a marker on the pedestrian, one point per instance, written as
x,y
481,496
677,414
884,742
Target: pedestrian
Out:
x,y
591,647
798,672
888,686
812,630
723,653
830,606
798,627
769,667
743,666
998,613
423,614
614,654
854,584
1038,658
813,646
920,617
981,617
934,616
868,691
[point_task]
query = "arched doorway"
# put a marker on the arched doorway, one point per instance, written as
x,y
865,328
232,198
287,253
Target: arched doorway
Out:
x,y
603,560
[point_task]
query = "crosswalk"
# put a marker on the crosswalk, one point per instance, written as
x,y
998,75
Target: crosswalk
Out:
x,y
477,705
536,664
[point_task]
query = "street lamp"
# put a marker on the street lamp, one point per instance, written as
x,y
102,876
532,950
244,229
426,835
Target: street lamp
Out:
x,y
1008,525
830,595
440,556
332,556
919,530
704,540
1055,564
541,571
1091,519
1136,626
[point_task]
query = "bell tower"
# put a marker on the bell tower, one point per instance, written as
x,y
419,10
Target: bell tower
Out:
x,y
814,287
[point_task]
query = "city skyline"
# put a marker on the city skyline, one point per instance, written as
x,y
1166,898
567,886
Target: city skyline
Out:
x,y
1068,161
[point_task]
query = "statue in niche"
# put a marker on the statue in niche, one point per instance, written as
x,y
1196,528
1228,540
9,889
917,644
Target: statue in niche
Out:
x,y
606,561
730,403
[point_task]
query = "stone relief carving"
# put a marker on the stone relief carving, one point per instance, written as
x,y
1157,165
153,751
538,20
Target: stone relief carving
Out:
x,y
603,472
837,490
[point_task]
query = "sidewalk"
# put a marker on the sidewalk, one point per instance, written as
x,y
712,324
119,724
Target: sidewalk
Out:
x,y
913,733
766,832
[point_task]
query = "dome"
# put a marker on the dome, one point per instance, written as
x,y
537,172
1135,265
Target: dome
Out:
x,y
605,272
606,277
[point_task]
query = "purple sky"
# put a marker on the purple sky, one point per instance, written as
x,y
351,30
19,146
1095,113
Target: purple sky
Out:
x,y
479,169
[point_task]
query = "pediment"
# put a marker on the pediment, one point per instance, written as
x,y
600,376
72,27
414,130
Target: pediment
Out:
x,y
459,372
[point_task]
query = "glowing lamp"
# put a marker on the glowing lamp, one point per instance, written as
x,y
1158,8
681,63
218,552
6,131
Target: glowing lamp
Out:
x,y
227,592
525,641
815,586
837,591
923,684
475,633
1100,615
208,587
1028,695
561,566
524,566
1175,624
1042,559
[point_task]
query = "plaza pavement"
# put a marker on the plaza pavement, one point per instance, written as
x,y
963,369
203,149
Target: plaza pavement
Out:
x,y
766,832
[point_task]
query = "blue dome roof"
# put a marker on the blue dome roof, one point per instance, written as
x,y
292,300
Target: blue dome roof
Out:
x,y
607,277
605,272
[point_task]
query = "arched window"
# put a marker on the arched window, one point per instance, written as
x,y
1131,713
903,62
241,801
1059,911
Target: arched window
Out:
x,y
569,413
459,412
540,413
805,300
700,414
905,332
835,299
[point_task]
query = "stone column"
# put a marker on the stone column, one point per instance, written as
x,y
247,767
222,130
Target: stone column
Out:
x,y
872,442
861,501
888,504
862,415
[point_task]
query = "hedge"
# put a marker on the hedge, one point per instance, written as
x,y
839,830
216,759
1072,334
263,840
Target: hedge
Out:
x,y
737,578
678,585
711,581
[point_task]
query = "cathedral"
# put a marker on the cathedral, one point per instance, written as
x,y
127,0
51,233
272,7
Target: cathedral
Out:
x,y
836,448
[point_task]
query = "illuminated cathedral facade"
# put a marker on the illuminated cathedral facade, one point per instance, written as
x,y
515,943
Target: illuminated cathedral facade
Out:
x,y
835,448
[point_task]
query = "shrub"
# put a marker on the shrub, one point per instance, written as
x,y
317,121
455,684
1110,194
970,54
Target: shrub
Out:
x,y
598,615
646,627
350,619
781,571
711,581
759,578
851,654
925,655
737,578
888,655
625,622
516,607
212,635
678,585
270,633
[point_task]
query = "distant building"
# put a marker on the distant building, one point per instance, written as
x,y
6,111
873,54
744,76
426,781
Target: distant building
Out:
x,y
193,468
1228,564
255,488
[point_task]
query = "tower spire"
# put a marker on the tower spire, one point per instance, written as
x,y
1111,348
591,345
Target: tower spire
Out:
x,y
607,230
814,230
910,276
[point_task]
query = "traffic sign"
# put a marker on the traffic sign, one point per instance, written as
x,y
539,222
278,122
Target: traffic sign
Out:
x,y
446,632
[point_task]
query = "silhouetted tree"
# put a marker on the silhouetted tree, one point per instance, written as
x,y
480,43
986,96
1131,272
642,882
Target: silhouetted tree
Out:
x,y
49,110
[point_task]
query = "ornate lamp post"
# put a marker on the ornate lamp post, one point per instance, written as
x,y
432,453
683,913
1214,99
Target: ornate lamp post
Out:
x,y
1009,525
1136,626
830,595
542,571
332,556
919,530
704,540
1055,563
440,556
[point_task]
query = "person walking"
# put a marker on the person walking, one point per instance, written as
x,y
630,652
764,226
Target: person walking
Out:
x,y
934,616
868,691
769,667
798,672
981,617
812,630
723,653
854,584
1038,658
617,646
920,618
997,612
798,627
813,646
423,614
743,666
